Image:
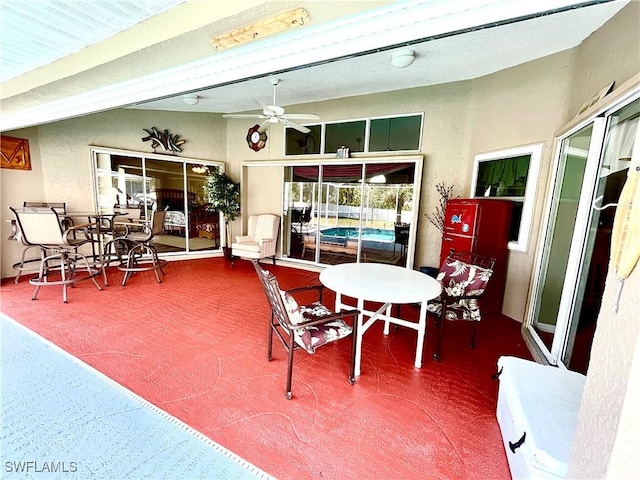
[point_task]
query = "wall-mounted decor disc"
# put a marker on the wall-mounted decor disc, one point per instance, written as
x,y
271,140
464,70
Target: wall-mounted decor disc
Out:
x,y
256,139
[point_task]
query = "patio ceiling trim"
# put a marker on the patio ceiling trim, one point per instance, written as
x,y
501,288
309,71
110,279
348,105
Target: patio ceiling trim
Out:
x,y
396,25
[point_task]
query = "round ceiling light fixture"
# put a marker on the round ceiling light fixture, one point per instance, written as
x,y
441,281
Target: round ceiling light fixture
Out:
x,y
190,99
403,58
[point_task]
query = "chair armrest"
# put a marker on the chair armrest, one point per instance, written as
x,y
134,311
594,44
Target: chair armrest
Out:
x,y
319,288
328,318
133,227
262,241
83,227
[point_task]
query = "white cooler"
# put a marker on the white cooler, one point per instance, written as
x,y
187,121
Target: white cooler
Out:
x,y
537,413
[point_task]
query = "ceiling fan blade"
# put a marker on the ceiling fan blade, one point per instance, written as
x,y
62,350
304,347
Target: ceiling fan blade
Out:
x,y
264,126
302,116
289,123
273,110
243,115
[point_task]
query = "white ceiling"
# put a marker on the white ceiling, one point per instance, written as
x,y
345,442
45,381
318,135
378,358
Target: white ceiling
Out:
x,y
453,41
36,33
453,58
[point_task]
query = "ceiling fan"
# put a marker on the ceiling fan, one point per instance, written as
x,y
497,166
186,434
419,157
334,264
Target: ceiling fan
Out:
x,y
276,114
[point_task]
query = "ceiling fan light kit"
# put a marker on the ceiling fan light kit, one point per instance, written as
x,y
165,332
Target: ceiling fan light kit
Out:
x,y
272,114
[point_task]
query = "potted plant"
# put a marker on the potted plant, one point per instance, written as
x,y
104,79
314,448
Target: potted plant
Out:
x,y
223,195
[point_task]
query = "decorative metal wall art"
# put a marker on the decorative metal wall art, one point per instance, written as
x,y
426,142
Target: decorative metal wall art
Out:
x,y
163,140
15,153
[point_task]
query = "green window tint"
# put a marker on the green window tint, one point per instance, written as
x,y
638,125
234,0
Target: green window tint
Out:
x,y
395,134
347,134
298,143
505,177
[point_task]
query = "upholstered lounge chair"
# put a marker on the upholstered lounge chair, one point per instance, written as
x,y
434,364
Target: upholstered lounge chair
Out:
x,y
260,240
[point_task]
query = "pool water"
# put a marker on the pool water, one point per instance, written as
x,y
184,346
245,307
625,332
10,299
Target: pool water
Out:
x,y
368,234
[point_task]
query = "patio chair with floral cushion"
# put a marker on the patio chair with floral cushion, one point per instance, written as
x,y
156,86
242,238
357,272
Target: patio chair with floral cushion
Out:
x,y
464,277
303,326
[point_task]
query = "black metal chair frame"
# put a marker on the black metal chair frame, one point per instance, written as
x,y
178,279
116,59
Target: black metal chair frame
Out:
x,y
470,258
401,237
281,325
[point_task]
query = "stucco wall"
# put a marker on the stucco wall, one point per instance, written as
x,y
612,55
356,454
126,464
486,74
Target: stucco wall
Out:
x,y
61,157
18,186
460,120
610,54
522,105
606,441
609,408
64,145
536,97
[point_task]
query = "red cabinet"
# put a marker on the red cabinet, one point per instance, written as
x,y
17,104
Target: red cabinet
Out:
x,y
480,226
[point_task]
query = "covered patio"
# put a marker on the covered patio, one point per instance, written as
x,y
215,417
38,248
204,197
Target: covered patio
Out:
x,y
203,360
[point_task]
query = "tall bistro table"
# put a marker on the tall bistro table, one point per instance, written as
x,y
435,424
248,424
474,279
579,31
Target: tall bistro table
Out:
x,y
103,224
386,284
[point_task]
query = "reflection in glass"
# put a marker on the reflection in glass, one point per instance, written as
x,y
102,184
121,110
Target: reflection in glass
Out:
x,y
505,178
573,160
395,133
139,186
346,134
298,143
343,213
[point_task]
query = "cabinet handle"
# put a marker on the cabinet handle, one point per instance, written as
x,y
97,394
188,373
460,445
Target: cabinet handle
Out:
x,y
514,446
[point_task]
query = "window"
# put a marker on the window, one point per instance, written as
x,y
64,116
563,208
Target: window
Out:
x,y
395,133
140,183
510,174
298,143
347,134
350,212
379,134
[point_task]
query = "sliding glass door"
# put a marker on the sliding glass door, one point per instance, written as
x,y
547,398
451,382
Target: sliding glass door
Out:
x,y
590,171
356,212
141,184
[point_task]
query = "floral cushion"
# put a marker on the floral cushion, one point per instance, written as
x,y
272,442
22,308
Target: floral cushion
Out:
x,y
313,336
458,279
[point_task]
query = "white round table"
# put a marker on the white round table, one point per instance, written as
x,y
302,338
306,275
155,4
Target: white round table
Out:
x,y
386,284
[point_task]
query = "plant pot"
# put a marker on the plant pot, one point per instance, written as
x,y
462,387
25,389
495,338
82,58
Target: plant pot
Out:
x,y
227,253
